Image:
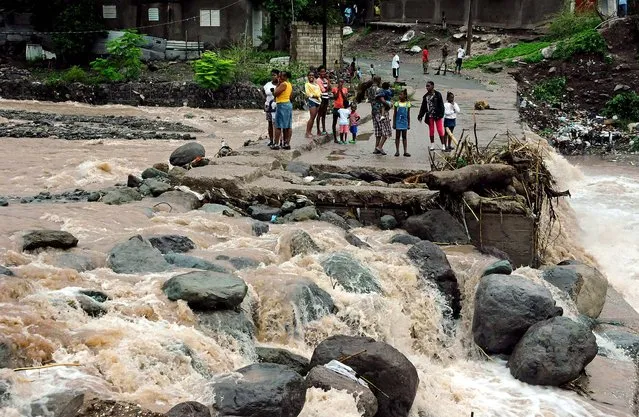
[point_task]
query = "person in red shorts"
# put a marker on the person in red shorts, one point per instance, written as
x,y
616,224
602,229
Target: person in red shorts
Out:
x,y
425,58
432,111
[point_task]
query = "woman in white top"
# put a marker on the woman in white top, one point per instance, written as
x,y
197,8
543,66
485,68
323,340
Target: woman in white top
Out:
x,y
451,109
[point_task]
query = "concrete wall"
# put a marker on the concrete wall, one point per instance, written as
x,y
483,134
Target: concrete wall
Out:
x,y
498,13
306,44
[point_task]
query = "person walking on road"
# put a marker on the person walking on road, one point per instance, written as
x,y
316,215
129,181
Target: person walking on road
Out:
x,y
324,83
461,53
432,111
395,67
444,62
401,121
425,57
340,94
269,104
451,110
283,112
313,100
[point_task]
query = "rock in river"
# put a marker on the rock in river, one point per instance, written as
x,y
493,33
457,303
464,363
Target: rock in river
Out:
x,y
134,256
553,352
260,390
387,222
206,290
326,379
48,239
350,273
304,214
505,308
186,153
263,213
121,196
437,226
300,243
154,173
5,271
405,239
189,409
259,228
186,261
584,284
172,243
334,219
298,363
381,364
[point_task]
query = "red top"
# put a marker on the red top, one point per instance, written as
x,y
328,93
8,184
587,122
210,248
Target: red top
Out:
x,y
424,55
339,100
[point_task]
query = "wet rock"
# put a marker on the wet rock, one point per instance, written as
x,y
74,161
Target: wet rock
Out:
x,y
300,168
377,362
502,267
9,357
334,219
220,209
162,166
5,271
434,266
180,199
186,153
259,228
154,187
186,261
177,172
627,341
172,243
93,197
229,322
405,239
154,173
326,379
109,408
387,222
311,301
189,409
301,243
353,223
302,201
553,352
304,214
97,295
264,389
48,239
241,262
288,207
505,308
584,284
121,196
263,213
493,67
133,181
298,363
437,226
90,306
3,202
134,256
61,403
350,273
206,290
5,394
355,241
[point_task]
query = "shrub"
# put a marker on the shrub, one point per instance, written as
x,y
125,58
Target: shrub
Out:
x,y
550,90
589,41
124,62
522,50
212,71
75,74
624,105
568,23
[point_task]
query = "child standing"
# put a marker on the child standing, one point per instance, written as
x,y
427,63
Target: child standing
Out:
x,y
344,122
451,109
387,94
354,121
371,71
401,121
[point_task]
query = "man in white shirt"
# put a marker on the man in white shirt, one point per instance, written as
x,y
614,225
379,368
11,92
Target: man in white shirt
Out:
x,y
461,53
395,67
269,103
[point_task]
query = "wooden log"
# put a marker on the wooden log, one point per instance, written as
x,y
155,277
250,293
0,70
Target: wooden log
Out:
x,y
471,177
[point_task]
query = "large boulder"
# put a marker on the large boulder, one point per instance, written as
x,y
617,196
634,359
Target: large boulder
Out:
x,y
503,267
437,226
206,290
220,209
186,153
96,407
379,363
298,363
405,239
356,241
48,239
179,201
172,243
134,256
60,403
121,196
584,284
553,352
387,222
505,308
76,261
260,390
227,322
326,379
303,214
189,409
334,219
350,273
259,228
154,187
301,243
186,261
434,266
154,173
263,213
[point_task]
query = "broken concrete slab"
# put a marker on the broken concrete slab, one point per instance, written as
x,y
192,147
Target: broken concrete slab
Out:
x,y
265,162
229,177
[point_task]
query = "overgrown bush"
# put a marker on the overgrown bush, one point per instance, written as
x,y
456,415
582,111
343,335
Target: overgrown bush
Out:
x,y
75,74
551,90
212,71
589,41
521,50
123,63
568,23
624,105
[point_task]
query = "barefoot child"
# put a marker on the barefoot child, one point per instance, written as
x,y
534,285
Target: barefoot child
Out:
x,y
354,121
401,121
344,122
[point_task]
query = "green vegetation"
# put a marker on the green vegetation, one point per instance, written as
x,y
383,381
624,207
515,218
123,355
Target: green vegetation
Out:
x,y
624,105
589,41
123,63
634,144
212,71
551,90
521,50
568,23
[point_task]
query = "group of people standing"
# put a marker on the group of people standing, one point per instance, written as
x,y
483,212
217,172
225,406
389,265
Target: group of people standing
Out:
x,y
461,54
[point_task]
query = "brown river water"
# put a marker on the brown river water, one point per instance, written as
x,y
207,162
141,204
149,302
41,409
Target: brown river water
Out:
x,y
132,353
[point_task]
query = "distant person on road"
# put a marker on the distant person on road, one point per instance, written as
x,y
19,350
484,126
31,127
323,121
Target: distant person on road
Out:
x,y
354,122
283,112
451,110
444,62
401,121
352,69
269,104
344,122
313,100
324,83
425,57
395,66
444,20
371,71
623,8
432,111
461,53
340,98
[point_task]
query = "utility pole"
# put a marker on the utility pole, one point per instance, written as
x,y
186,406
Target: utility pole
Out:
x,y
469,32
324,23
